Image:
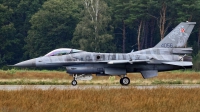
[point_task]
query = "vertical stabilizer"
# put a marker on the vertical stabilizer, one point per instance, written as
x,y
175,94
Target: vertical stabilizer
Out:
x,y
178,37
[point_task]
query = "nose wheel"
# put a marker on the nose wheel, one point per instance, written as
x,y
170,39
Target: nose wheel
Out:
x,y
124,81
74,82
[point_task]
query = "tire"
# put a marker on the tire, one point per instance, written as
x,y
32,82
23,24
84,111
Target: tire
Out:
x,y
120,81
125,81
74,83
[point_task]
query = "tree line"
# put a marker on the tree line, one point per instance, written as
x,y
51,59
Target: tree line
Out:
x,y
31,28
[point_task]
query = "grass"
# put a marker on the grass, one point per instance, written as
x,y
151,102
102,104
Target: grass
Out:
x,y
30,74
99,100
45,77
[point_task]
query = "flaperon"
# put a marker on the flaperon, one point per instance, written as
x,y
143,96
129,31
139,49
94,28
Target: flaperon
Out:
x,y
168,54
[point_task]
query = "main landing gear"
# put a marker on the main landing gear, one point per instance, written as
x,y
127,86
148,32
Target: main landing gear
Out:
x,y
125,81
80,77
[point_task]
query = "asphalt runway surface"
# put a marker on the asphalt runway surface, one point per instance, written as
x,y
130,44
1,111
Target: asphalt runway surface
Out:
x,y
82,87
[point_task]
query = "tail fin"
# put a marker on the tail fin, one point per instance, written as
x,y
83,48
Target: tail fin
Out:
x,y
178,36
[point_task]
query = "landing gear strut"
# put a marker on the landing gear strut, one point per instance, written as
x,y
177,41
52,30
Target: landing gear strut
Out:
x,y
125,81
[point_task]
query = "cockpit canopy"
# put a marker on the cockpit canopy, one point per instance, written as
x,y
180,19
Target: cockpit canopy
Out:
x,y
62,51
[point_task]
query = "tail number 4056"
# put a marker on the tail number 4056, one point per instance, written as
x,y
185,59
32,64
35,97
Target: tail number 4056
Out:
x,y
167,45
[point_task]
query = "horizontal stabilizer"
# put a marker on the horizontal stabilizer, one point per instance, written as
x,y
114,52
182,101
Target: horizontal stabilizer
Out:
x,y
182,50
149,73
179,63
127,61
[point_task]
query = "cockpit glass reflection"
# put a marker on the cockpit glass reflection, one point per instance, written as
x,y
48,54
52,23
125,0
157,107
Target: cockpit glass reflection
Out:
x,y
62,51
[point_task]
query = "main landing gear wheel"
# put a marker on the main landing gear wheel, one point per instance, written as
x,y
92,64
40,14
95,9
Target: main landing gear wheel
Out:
x,y
74,82
125,81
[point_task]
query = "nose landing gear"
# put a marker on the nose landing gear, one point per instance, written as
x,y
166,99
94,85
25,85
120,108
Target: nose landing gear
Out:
x,y
80,77
74,82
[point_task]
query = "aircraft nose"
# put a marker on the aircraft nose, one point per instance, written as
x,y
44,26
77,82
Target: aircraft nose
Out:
x,y
27,63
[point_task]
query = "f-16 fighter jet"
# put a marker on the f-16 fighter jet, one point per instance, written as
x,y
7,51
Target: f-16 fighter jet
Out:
x,y
168,54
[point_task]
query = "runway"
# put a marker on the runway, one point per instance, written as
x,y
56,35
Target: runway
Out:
x,y
82,87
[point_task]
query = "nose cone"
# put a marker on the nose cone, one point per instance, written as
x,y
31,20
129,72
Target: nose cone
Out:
x,y
27,63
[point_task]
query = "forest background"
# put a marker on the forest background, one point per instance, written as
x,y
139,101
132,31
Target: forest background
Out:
x,y
32,28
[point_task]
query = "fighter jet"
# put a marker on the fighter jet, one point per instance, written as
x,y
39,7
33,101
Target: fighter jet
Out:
x,y
169,54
